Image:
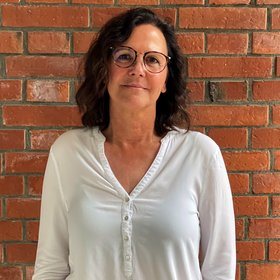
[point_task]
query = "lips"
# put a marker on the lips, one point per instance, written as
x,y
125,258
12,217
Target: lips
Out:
x,y
134,85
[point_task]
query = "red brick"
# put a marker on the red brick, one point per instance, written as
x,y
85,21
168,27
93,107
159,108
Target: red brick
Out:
x,y
93,1
82,41
276,114
199,129
102,15
11,42
45,115
228,115
276,205
1,255
229,137
9,1
23,208
11,185
250,250
267,2
23,253
45,16
10,273
223,43
43,139
35,184
1,162
221,67
10,230
139,2
196,90
266,183
191,43
11,139
1,210
262,271
25,162
227,2
276,18
32,230
169,14
278,66
239,183
10,90
54,66
46,1
239,227
274,250
222,18
264,228
266,42
250,205
48,91
277,160
265,137
231,91
183,2
266,90
247,161
237,275
29,272
48,42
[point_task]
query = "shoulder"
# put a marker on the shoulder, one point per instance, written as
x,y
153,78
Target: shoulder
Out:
x,y
194,146
72,139
196,140
204,142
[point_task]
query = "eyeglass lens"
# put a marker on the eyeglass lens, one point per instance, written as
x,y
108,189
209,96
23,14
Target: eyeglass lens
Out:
x,y
154,61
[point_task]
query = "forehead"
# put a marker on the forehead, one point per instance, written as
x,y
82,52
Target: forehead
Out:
x,y
147,37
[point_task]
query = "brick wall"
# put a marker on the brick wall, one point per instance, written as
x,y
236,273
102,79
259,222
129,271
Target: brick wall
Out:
x,y
234,83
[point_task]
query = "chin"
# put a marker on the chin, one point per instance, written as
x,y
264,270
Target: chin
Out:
x,y
139,104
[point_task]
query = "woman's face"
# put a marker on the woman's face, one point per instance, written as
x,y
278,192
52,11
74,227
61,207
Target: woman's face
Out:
x,y
135,87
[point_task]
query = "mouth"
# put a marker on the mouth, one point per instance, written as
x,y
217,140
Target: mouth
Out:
x,y
134,86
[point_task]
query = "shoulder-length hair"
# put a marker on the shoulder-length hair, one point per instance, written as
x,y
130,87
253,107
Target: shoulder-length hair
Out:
x,y
92,96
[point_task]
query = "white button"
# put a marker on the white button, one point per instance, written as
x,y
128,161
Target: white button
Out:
x,y
127,257
126,238
126,218
126,199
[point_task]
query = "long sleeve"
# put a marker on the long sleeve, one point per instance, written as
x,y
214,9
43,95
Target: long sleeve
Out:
x,y
52,252
218,251
181,205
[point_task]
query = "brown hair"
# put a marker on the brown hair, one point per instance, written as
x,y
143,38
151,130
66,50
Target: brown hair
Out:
x,y
92,96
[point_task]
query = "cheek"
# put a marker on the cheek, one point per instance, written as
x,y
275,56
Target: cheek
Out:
x,y
160,82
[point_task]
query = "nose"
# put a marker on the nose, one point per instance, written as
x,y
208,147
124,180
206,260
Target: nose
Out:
x,y
137,68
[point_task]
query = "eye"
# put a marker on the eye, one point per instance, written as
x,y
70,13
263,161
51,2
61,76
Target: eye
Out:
x,y
125,57
152,59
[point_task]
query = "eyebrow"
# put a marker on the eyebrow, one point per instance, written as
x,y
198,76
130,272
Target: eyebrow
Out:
x,y
143,52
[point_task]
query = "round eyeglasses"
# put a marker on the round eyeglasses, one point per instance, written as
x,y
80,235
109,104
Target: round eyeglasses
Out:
x,y
155,62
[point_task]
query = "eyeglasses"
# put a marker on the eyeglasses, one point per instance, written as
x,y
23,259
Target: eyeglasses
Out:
x,y
124,57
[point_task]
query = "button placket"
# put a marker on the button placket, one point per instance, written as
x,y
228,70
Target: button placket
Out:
x,y
127,214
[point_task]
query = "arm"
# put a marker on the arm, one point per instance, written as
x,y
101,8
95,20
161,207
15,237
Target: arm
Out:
x,y
52,252
218,251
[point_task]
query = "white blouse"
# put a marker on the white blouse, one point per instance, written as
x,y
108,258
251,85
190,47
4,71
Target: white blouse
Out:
x,y
177,223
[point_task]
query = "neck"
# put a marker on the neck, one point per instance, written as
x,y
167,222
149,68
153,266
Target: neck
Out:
x,y
131,127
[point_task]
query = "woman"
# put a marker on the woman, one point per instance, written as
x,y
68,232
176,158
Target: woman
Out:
x,y
135,195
